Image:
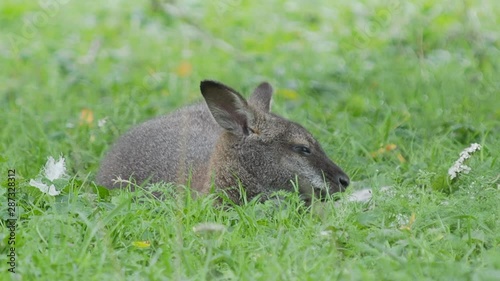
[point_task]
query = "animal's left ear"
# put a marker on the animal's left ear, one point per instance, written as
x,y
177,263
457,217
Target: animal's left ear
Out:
x,y
262,96
228,107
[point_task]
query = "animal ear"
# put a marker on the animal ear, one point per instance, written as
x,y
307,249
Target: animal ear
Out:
x,y
262,97
228,108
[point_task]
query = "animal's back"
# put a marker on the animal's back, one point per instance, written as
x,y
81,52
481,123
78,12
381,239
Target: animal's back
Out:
x,y
169,148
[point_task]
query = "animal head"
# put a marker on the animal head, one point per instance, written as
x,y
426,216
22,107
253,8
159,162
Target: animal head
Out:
x,y
265,151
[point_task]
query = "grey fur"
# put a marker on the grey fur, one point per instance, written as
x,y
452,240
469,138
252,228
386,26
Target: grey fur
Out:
x,y
225,141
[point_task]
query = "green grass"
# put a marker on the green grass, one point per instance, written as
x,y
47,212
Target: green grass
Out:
x,y
420,76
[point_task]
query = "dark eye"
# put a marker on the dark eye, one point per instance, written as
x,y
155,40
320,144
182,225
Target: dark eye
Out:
x,y
302,149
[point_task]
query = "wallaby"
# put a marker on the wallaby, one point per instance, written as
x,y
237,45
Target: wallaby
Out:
x,y
226,142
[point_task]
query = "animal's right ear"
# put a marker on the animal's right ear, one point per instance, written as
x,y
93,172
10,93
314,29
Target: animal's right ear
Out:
x,y
228,108
262,97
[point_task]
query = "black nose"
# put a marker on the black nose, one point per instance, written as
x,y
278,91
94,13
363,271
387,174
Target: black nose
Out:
x,y
343,181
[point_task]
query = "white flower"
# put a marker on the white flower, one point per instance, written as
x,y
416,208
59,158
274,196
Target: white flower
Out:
x,y
402,220
50,190
55,170
326,233
51,171
209,227
102,122
459,166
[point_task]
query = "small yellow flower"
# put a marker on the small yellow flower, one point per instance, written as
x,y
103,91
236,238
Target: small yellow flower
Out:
x,y
142,244
383,150
184,69
288,93
401,158
86,116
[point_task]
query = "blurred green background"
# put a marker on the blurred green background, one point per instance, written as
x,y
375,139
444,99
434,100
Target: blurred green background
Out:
x,y
393,90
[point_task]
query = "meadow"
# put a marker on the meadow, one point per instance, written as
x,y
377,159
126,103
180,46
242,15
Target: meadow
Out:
x,y
393,90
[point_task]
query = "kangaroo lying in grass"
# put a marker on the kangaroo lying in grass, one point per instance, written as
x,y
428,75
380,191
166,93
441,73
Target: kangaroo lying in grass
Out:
x,y
226,141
